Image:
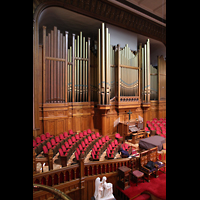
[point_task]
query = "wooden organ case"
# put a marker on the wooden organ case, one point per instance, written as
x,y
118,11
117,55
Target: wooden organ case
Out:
x,y
80,89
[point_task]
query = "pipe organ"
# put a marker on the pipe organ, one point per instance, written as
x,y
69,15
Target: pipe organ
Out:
x,y
92,87
66,71
103,64
128,72
145,62
115,71
161,78
154,82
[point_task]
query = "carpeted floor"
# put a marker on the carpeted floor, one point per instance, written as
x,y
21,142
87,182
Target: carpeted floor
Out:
x,y
157,186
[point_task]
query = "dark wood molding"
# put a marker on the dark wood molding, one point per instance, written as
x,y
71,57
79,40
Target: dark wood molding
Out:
x,y
109,13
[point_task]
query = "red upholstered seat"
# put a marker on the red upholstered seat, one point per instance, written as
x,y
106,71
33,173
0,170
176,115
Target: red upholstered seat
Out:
x,y
89,139
43,137
73,139
117,135
100,143
70,142
65,134
77,137
89,131
61,152
96,150
49,146
34,143
53,143
38,140
84,133
97,145
61,136
109,153
107,138
78,151
97,134
76,156
158,132
48,135
71,132
64,149
67,145
137,173
57,139
45,150
113,145
152,128
80,147
158,128
80,134
109,146
116,142
83,145
93,137
163,128
162,135
94,156
86,142
103,140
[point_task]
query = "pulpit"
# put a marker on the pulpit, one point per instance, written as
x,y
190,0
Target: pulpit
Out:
x,y
124,177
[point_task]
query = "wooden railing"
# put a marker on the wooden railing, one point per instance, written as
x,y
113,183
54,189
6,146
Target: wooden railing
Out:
x,y
57,193
74,177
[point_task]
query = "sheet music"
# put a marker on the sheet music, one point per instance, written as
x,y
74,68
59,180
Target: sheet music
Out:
x,y
140,118
133,128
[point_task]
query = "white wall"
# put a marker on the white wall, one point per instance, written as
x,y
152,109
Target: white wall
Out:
x,y
121,36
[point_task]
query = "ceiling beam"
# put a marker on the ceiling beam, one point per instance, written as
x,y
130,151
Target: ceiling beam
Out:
x,y
159,7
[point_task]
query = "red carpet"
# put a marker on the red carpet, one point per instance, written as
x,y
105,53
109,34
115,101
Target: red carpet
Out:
x,y
157,186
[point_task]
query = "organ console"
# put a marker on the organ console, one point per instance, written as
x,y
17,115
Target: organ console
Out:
x,y
133,129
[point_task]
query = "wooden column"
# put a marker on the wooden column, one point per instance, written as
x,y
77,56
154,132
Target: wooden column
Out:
x,y
50,158
34,163
82,179
103,111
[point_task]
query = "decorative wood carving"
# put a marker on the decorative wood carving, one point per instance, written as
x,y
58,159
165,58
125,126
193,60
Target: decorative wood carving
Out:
x,y
110,13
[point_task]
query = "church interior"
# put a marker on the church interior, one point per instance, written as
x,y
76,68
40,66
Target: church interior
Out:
x,y
99,99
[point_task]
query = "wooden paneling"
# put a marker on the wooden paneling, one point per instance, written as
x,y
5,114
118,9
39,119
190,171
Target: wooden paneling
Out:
x,y
60,117
154,109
